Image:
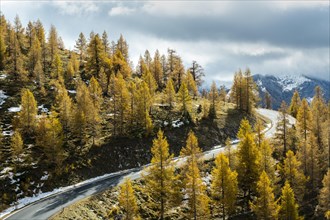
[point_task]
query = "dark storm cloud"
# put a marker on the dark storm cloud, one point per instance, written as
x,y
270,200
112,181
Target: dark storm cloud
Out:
x,y
306,27
268,37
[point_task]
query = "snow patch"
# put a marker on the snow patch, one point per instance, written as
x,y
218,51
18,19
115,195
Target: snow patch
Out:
x,y
45,177
290,82
43,109
14,109
8,133
72,91
2,97
177,123
3,76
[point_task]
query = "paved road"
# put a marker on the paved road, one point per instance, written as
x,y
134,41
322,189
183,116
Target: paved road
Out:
x,y
47,207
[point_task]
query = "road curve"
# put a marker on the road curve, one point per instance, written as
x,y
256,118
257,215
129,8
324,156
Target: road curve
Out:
x,y
46,207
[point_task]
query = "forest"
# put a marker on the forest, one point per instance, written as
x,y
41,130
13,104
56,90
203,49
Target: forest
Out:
x,y
72,102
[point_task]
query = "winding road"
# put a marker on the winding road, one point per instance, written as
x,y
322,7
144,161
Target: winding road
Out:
x,y
46,207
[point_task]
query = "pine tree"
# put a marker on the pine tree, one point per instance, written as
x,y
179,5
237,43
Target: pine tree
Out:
x,y
185,100
127,200
160,175
295,104
28,113
265,207
324,198
224,185
169,93
292,174
213,96
248,157
288,206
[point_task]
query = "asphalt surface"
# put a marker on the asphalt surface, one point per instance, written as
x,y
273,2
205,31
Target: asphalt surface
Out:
x,y
46,207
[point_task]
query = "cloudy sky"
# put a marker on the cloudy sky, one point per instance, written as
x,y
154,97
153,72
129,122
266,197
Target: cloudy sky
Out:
x,y
273,37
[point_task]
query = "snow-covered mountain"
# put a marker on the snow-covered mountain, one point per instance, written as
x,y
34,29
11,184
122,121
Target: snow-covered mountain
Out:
x,y
282,87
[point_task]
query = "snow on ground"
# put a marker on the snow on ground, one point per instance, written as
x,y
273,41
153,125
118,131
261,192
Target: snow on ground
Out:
x,y
72,91
177,123
8,133
14,109
2,97
43,109
45,177
3,76
289,82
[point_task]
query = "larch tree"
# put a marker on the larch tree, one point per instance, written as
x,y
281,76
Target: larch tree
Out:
x,y
191,84
127,200
120,103
34,55
268,100
95,93
28,113
282,128
292,174
57,68
248,157
185,100
258,128
213,96
50,139
265,206
106,43
122,46
16,145
230,153
157,70
267,162
198,201
96,56
52,43
295,104
197,72
320,127
288,205
323,207
303,124
224,186
81,47
120,64
223,94
159,176
169,93
148,78
143,100
64,106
